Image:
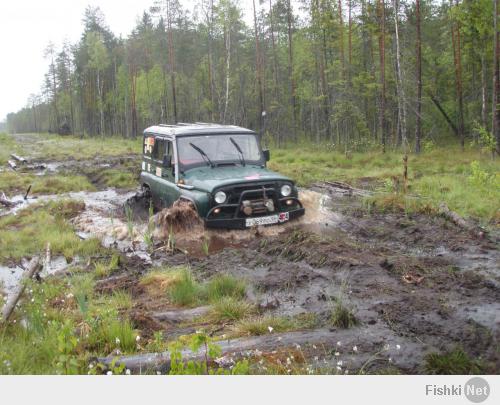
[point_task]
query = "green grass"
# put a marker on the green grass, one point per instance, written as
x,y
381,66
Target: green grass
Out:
x,y
7,146
55,147
186,291
104,269
443,174
119,178
455,361
342,316
183,289
28,233
120,334
224,285
231,309
17,183
261,325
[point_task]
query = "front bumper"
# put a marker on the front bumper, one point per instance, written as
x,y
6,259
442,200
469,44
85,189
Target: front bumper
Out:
x,y
240,223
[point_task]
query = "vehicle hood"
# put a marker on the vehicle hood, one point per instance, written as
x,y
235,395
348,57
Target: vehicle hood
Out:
x,y
208,179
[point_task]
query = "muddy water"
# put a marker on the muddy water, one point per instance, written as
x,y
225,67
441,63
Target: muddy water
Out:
x,y
11,276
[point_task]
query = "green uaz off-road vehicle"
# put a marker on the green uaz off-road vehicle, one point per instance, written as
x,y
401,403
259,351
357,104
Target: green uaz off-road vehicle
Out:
x,y
222,170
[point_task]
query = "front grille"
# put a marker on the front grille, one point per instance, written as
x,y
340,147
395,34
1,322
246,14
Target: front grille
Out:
x,y
234,192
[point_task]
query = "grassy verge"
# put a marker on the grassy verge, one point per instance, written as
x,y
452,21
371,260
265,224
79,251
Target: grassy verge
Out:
x,y
29,232
55,147
12,183
468,182
65,324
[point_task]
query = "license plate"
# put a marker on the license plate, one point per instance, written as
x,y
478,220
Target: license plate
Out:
x,y
269,220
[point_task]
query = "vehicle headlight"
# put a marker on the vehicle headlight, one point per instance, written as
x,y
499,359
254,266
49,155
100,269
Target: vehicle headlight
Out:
x,y
220,197
286,190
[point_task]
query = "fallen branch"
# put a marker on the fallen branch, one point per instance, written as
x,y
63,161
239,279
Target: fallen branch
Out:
x,y
339,187
459,221
8,308
12,164
19,158
181,315
6,202
27,192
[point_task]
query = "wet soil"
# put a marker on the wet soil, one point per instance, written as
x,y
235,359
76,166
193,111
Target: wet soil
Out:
x,y
415,283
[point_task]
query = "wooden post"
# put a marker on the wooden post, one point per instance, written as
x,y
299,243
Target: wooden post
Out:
x,y
405,173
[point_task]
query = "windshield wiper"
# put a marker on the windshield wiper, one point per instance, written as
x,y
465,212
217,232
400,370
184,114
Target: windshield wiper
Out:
x,y
202,153
242,158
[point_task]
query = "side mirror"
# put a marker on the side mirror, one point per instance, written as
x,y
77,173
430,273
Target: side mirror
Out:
x,y
167,161
267,155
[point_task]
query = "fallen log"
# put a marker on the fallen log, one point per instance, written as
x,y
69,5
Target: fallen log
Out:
x,y
6,202
339,187
8,308
236,349
181,315
12,164
19,158
459,221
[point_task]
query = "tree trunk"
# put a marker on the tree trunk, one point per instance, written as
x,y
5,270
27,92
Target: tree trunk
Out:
x,y
418,125
171,56
341,40
101,107
349,4
381,44
402,137
496,79
455,37
290,71
259,74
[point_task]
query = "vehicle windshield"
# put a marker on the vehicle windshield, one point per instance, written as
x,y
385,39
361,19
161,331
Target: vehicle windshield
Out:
x,y
219,149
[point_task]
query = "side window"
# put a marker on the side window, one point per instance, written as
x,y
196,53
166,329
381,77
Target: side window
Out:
x,y
159,149
149,142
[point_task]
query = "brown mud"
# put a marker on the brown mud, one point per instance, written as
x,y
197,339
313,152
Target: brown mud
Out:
x,y
416,283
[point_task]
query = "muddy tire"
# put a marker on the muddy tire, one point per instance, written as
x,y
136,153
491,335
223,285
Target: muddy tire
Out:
x,y
146,196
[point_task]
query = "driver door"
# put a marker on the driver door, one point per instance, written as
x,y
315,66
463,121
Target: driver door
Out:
x,y
165,189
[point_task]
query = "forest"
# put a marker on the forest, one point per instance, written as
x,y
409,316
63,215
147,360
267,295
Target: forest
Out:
x,y
351,74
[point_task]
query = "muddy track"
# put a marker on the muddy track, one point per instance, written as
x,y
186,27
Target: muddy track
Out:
x,y
415,281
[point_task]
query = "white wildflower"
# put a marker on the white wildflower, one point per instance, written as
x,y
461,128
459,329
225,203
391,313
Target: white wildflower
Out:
x,y
398,347
297,346
339,343
127,371
279,338
355,349
337,354
288,361
390,359
339,368
316,358
314,347
109,373
340,363
117,341
158,373
91,366
137,338
270,328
